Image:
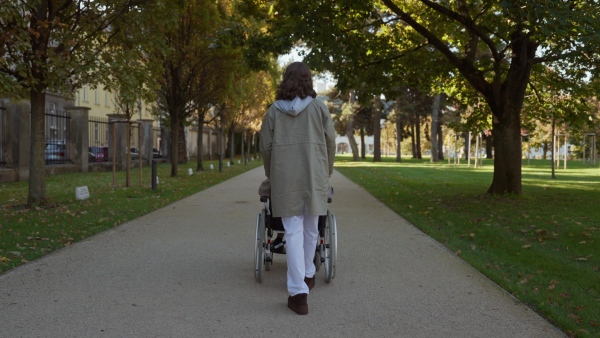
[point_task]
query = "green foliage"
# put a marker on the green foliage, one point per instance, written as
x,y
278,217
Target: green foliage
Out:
x,y
56,45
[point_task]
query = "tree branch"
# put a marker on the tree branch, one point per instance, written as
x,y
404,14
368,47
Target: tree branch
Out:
x,y
472,74
467,22
391,58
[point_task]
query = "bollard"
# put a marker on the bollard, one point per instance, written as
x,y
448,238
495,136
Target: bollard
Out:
x,y
153,175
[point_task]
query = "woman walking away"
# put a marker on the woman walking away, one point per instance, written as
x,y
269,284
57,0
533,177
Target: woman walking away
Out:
x,y
298,149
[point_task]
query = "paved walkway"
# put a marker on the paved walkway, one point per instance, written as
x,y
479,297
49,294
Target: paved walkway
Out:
x,y
187,271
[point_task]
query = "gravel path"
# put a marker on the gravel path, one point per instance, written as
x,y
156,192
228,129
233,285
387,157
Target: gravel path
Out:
x,y
187,271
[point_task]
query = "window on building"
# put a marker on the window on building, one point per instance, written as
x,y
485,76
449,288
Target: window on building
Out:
x,y
84,93
96,99
107,99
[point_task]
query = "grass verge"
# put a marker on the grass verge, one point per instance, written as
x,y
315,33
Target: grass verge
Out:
x,y
29,233
541,246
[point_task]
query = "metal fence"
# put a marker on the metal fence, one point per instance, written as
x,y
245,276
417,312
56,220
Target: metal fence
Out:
x,y
58,128
98,131
3,140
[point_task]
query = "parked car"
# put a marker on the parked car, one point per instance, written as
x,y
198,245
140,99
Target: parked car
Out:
x,y
55,152
156,153
98,154
135,153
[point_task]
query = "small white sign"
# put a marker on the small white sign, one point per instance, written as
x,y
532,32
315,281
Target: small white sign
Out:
x,y
252,158
239,161
212,167
157,181
228,164
82,193
190,172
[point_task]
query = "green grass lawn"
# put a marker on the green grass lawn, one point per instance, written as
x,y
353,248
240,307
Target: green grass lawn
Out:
x,y
27,234
541,246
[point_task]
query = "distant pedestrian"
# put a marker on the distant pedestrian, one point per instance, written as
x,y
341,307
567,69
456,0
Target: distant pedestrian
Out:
x,y
298,149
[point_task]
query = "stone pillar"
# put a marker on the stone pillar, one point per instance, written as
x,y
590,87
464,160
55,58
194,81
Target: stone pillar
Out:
x,y
147,142
119,126
18,123
79,136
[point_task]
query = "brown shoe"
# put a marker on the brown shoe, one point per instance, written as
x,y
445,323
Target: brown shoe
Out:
x,y
298,303
310,282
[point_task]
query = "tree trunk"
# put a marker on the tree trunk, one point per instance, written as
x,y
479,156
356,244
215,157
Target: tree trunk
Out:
x,y
182,145
242,151
220,145
248,147
399,128
434,128
440,141
413,140
376,132
351,140
37,159
507,151
489,146
467,145
256,141
363,146
128,152
199,152
231,144
418,136
174,145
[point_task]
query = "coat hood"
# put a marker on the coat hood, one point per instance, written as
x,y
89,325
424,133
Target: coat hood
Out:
x,y
293,107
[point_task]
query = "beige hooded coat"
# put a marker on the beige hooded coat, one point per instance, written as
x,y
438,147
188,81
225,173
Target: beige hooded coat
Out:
x,y
297,143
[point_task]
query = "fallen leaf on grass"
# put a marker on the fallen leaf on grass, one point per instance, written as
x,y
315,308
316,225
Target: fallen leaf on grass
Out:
x,y
526,246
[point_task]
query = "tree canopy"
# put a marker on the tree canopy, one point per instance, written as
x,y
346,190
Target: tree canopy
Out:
x,y
54,45
501,51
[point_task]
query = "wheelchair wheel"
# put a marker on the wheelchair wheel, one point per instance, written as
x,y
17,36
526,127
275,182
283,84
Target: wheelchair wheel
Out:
x,y
317,260
259,248
268,259
334,242
327,250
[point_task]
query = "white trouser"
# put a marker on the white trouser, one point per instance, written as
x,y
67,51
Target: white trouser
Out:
x,y
301,234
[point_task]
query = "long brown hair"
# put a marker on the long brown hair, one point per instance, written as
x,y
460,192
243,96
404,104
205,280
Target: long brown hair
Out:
x,y
297,81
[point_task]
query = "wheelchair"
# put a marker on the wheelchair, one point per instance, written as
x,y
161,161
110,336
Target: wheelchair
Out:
x,y
267,225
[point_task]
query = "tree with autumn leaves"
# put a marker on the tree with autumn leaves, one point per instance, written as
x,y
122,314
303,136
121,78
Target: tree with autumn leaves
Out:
x,y
124,45
55,45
